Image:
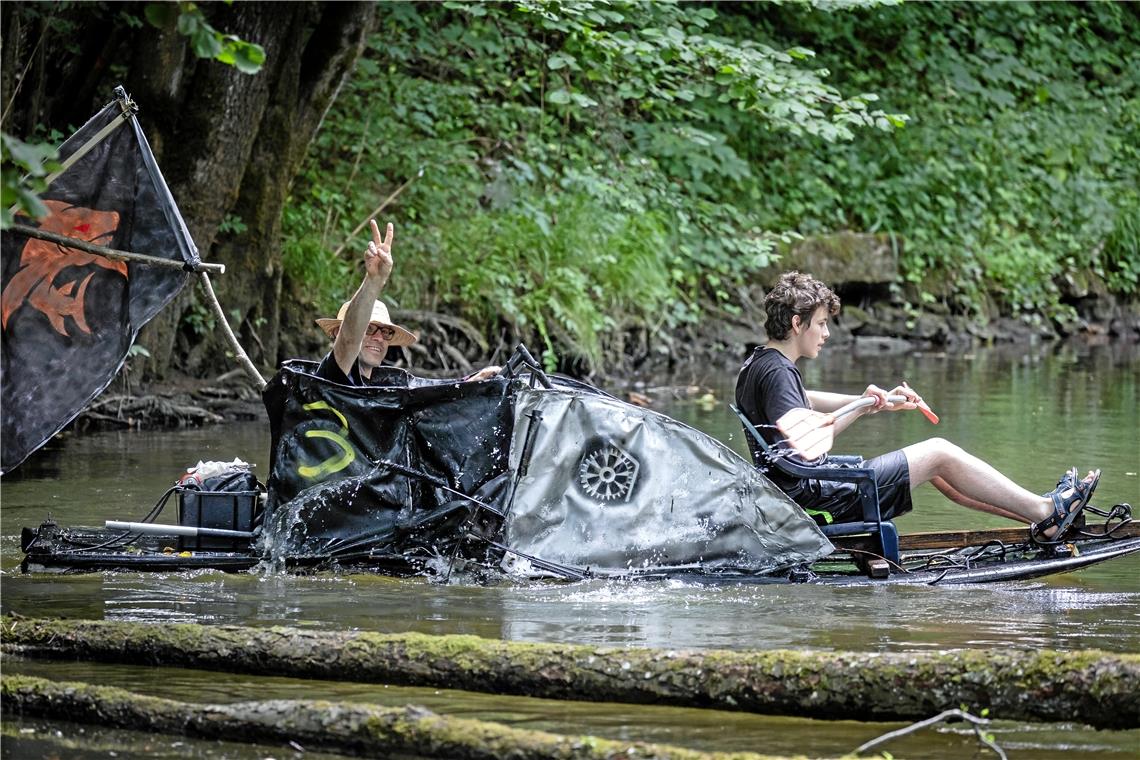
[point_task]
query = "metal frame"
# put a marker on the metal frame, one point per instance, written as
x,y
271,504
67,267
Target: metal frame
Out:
x,y
843,468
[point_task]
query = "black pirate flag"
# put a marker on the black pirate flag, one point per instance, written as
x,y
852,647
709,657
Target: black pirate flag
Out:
x,y
69,317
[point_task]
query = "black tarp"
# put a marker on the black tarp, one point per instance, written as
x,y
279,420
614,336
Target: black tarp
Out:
x,y
69,317
330,495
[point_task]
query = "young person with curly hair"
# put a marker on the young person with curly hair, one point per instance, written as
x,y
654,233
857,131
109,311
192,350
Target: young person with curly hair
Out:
x,y
798,310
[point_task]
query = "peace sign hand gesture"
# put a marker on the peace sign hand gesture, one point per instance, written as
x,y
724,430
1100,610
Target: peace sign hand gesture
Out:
x,y
378,257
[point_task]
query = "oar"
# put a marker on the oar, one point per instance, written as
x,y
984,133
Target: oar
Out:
x,y
926,410
812,433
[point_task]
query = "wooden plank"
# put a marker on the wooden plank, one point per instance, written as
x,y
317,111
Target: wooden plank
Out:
x,y
960,538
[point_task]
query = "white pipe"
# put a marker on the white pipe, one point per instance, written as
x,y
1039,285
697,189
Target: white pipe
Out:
x,y
155,529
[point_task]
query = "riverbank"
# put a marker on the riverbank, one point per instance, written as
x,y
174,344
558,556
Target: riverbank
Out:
x,y
866,326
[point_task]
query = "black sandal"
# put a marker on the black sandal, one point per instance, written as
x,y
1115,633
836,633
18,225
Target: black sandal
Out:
x,y
1067,510
1067,481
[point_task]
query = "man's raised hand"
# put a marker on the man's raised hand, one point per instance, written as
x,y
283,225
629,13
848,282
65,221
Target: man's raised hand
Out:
x,y
378,257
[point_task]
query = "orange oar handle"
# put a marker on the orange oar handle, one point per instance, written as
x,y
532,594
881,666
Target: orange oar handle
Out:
x,y
928,413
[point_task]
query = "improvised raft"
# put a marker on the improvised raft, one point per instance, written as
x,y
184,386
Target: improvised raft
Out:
x,y
530,474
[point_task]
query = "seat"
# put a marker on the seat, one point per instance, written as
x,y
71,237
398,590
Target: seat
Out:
x,y
843,468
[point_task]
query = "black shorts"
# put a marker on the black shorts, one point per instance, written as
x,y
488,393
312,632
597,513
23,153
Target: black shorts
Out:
x,y
829,501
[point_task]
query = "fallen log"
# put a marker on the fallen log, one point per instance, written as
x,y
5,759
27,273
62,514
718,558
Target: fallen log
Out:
x,y
1096,688
333,726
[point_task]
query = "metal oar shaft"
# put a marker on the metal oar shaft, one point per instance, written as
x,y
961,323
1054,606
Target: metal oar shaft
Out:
x,y
859,403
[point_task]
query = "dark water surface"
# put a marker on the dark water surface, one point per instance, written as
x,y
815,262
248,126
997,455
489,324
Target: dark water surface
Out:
x,y
1031,413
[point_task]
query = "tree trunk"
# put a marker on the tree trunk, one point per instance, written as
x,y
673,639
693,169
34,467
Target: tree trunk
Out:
x,y
228,143
237,157
1096,688
334,726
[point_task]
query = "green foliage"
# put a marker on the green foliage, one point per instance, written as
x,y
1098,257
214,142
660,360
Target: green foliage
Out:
x,y
205,40
1020,167
26,166
232,223
580,174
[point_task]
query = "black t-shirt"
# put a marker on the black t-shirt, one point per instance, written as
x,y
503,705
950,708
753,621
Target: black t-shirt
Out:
x,y
383,376
768,386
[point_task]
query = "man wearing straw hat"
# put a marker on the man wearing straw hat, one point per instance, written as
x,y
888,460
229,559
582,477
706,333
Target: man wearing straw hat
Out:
x,y
363,331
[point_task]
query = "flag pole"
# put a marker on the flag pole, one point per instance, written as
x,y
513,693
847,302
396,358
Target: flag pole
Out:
x,y
112,253
202,268
239,352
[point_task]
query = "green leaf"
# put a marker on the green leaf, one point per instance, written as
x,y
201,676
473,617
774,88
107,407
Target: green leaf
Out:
x,y
560,96
247,57
559,61
30,156
190,23
30,203
206,43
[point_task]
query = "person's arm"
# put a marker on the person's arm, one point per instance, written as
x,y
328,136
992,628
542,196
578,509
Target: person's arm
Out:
x,y
825,401
487,372
377,268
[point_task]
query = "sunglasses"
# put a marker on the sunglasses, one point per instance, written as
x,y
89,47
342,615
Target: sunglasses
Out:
x,y
387,333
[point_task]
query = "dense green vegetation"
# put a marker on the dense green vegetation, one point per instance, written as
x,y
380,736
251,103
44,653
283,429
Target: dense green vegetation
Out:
x,y
1021,164
595,169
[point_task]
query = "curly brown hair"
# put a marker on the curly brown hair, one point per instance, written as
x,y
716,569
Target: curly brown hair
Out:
x,y
795,294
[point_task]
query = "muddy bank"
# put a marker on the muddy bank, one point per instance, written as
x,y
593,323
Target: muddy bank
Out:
x,y
871,323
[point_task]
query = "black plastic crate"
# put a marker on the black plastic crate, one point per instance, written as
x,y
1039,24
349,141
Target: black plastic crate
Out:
x,y
225,510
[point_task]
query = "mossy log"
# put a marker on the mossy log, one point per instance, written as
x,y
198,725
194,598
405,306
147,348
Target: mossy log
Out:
x,y
335,726
1096,688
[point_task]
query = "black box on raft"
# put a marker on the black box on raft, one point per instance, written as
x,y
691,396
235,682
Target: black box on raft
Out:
x,y
224,510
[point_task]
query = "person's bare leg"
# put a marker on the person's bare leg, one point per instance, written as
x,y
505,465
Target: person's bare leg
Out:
x,y
960,498
973,478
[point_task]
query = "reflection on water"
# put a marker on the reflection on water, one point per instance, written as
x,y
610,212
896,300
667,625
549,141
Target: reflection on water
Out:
x,y
1031,415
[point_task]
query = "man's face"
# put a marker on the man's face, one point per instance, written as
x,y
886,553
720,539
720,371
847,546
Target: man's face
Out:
x,y
375,345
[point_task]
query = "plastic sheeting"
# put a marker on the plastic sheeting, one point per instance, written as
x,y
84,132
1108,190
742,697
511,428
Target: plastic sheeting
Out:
x,y
608,485
332,497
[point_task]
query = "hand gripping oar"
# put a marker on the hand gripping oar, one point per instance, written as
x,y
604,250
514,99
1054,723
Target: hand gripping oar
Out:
x,y
812,433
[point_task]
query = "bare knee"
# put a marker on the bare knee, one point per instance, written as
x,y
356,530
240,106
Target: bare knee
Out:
x,y
948,450
936,451
932,458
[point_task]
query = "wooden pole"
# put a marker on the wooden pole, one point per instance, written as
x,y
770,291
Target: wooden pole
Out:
x,y
239,352
110,253
1096,688
355,729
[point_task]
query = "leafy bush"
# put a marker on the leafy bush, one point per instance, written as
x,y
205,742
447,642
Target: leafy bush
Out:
x,y
590,169
578,178
1021,162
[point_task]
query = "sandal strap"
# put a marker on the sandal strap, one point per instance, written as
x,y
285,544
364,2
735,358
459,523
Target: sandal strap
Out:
x,y
1065,515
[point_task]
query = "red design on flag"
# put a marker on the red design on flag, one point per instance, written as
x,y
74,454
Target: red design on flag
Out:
x,y
42,262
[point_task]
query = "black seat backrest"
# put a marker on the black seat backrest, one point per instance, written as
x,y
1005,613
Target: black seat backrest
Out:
x,y
838,468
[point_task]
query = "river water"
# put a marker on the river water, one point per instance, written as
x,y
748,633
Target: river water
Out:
x,y
1031,412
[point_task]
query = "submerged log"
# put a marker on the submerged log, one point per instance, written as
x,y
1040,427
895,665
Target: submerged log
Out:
x,y
335,726
1096,688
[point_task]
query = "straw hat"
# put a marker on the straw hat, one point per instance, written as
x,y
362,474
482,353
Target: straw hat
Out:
x,y
380,317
